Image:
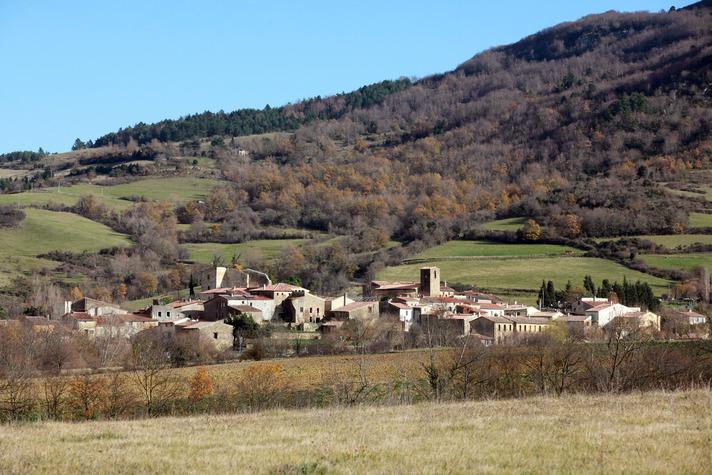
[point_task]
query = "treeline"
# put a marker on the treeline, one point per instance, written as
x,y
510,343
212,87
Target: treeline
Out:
x,y
638,294
254,121
23,156
552,363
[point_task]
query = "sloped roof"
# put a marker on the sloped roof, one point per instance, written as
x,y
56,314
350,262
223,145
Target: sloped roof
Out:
x,y
496,319
246,308
530,320
354,306
193,325
79,316
574,318
279,287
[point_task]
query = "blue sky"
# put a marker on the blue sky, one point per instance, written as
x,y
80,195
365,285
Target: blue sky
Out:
x,y
84,68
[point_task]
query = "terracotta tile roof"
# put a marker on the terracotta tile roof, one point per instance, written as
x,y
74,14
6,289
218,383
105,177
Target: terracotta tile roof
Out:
x,y
225,290
574,318
246,308
530,320
599,307
279,287
494,319
193,325
490,306
184,303
354,306
386,285
79,316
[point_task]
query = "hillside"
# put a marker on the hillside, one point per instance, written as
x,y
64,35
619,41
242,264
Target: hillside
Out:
x,y
580,434
594,128
581,119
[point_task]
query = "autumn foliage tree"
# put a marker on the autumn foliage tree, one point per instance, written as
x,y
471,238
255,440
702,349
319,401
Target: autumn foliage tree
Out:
x,y
201,385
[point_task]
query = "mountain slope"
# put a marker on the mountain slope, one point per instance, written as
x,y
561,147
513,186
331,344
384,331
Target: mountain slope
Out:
x,y
574,126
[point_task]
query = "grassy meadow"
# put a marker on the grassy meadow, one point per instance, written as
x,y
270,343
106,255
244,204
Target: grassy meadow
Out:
x,y
264,248
494,249
700,220
496,275
636,433
176,189
679,261
507,224
671,241
43,231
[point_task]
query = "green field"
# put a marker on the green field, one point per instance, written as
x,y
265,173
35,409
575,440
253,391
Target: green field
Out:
x,y
494,249
496,275
265,248
678,261
508,224
700,220
671,241
43,231
176,189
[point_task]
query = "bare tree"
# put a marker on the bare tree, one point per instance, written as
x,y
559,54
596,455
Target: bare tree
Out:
x,y
16,372
150,371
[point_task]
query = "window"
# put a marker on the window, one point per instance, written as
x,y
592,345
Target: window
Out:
x,y
215,335
159,314
168,314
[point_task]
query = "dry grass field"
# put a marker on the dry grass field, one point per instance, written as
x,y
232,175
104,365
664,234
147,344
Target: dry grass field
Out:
x,y
637,433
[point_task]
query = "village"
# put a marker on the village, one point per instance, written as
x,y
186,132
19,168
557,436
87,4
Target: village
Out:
x,y
207,317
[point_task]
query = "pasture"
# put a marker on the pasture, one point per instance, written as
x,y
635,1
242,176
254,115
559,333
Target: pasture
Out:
x,y
494,249
496,275
176,189
261,248
700,220
507,224
43,231
658,432
671,241
682,262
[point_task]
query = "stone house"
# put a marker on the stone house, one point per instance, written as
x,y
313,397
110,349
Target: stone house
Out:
x,y
304,308
645,319
365,309
497,328
230,277
332,303
93,307
586,303
81,322
277,292
528,325
221,307
380,288
602,314
217,334
577,324
406,314
123,325
177,309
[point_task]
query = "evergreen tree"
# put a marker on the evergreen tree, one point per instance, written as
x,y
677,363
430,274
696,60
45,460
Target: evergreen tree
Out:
x,y
589,285
551,294
191,285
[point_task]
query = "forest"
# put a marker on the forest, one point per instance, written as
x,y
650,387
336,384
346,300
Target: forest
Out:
x,y
577,128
